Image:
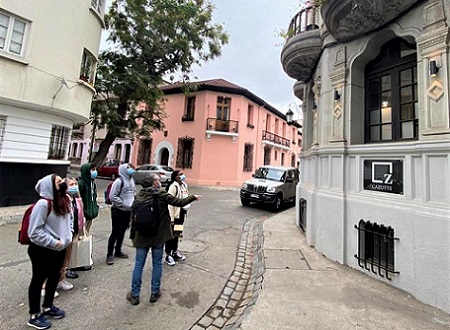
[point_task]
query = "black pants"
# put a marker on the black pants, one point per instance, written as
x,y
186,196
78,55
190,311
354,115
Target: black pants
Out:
x,y
46,265
120,222
171,246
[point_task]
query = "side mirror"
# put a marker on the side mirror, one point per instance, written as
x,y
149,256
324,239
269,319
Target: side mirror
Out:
x,y
253,175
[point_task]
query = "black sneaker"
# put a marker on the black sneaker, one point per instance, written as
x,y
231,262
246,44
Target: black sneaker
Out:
x,y
121,255
55,312
39,322
71,274
110,260
132,300
177,256
155,296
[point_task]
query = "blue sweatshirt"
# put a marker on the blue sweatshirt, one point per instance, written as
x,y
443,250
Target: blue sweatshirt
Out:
x,y
47,231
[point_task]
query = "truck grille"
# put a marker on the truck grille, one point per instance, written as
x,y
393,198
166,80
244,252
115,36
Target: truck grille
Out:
x,y
259,189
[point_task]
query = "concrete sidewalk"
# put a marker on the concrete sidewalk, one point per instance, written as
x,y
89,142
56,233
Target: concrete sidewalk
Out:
x,y
302,289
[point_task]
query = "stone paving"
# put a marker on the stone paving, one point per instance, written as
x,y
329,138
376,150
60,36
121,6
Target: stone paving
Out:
x,y
242,287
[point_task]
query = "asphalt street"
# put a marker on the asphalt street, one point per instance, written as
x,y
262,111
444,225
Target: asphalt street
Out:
x,y
212,235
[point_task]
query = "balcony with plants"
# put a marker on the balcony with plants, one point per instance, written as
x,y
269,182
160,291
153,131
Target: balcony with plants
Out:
x,y
303,43
225,127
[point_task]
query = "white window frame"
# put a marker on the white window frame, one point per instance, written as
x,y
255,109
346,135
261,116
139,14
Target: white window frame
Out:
x,y
9,32
90,78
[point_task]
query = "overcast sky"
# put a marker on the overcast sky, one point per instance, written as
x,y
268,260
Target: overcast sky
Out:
x,y
251,59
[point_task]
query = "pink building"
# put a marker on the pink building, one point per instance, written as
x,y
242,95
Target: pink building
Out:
x,y
219,135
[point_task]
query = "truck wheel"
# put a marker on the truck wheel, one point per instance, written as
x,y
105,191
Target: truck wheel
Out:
x,y
245,202
278,203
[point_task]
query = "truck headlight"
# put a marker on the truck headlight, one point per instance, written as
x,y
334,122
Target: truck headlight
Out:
x,y
271,189
244,186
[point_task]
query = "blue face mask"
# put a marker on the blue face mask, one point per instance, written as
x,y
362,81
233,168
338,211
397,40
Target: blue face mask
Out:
x,y
94,174
73,190
182,177
130,171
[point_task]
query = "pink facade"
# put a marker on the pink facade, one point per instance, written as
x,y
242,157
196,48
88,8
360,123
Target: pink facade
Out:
x,y
219,135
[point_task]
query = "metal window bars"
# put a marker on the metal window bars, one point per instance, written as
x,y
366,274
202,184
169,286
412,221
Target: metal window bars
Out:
x,y
376,248
2,130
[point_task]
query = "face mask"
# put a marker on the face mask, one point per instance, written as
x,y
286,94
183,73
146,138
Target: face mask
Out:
x,y
62,188
94,174
72,190
182,177
130,171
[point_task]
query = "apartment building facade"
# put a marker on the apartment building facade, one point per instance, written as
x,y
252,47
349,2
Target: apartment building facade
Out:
x,y
47,72
219,134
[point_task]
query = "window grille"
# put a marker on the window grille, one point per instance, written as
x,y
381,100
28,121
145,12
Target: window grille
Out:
x,y
185,152
376,248
267,153
145,151
2,130
248,157
59,141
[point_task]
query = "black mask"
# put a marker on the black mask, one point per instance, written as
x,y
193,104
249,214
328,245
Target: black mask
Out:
x,y
62,188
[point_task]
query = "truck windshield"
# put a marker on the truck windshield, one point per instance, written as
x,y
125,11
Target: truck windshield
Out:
x,y
269,174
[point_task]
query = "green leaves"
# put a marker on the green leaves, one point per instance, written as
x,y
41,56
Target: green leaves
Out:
x,y
148,40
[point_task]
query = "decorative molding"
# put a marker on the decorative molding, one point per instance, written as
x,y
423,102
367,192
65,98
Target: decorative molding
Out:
x,y
436,90
438,40
337,111
433,17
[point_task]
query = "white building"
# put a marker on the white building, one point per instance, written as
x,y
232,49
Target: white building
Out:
x,y
375,168
48,55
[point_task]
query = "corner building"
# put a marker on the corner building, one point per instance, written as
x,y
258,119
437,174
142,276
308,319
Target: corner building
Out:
x,y
48,57
218,134
375,165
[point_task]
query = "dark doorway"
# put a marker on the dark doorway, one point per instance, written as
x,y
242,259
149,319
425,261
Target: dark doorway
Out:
x,y
164,157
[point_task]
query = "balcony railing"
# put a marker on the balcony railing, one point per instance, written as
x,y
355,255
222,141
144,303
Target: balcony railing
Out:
x,y
274,138
222,125
305,20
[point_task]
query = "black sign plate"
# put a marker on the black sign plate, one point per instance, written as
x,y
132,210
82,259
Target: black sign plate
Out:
x,y
384,176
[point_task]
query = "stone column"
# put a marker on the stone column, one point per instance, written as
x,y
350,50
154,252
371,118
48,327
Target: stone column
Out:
x,y
338,81
434,91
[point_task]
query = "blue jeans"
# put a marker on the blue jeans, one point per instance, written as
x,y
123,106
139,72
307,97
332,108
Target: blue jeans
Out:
x,y
141,256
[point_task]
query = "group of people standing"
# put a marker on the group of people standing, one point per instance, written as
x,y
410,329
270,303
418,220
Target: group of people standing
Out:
x,y
66,209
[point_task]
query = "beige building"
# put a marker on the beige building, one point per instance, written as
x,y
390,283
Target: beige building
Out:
x,y
48,56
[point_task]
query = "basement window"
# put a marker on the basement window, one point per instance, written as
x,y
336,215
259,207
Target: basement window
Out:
x,y
376,248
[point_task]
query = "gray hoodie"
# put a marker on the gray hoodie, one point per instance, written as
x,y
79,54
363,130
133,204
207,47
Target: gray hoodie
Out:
x,y
46,231
123,198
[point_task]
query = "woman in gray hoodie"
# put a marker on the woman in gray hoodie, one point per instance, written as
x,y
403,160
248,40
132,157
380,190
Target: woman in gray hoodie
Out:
x,y
50,234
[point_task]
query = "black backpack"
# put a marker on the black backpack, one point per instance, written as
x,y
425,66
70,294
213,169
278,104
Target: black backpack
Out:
x,y
146,218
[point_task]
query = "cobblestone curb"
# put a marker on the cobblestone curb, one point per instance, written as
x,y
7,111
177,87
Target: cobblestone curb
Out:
x,y
242,288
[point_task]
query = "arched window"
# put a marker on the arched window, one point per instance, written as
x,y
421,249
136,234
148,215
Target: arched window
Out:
x,y
391,94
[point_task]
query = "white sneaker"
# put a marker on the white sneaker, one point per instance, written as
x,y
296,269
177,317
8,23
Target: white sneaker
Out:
x,y
177,256
43,293
170,261
65,286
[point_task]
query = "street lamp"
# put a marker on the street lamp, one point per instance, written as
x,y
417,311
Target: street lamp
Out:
x,y
289,116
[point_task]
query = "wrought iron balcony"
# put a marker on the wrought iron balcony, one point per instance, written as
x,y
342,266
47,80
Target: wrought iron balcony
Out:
x,y
275,139
222,125
303,45
346,19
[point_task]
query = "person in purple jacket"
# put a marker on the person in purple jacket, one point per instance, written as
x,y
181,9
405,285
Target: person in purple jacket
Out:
x,y
50,234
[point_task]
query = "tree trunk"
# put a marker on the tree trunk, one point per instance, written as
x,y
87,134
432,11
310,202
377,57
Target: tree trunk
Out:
x,y
110,137
103,149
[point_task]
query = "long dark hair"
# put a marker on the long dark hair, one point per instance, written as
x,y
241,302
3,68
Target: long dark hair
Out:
x,y
60,203
173,176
